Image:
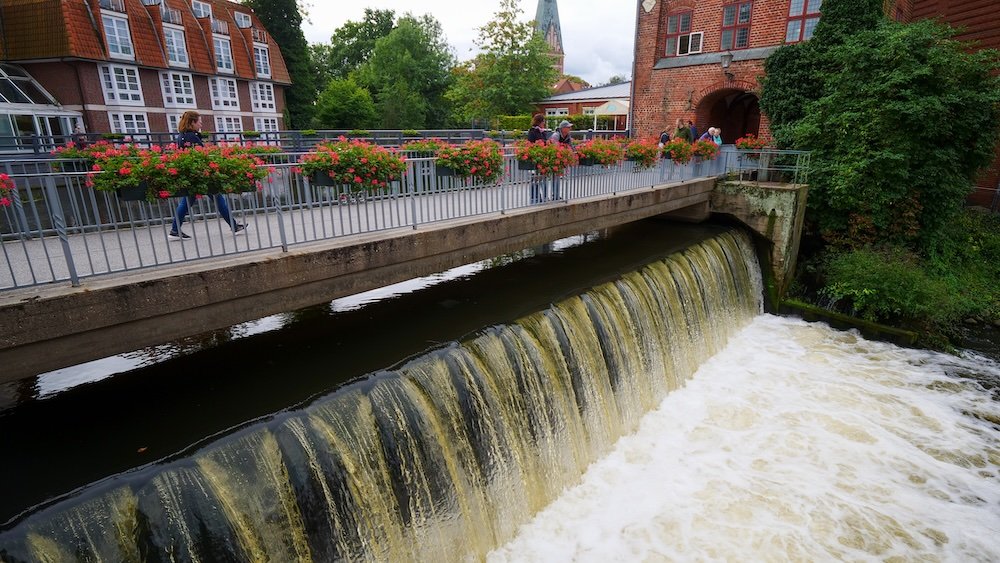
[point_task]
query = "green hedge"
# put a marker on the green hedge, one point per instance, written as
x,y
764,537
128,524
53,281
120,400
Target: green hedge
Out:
x,y
580,122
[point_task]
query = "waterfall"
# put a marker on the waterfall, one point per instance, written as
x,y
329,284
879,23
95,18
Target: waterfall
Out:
x,y
439,459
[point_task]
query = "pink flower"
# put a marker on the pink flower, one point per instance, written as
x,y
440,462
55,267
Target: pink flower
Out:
x,y
125,171
4,201
358,180
164,194
213,165
172,171
96,168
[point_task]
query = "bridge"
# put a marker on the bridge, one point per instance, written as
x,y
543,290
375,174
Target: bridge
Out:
x,y
88,275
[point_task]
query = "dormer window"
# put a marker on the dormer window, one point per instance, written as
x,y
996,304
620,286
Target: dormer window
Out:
x,y
262,61
243,21
223,55
119,40
201,9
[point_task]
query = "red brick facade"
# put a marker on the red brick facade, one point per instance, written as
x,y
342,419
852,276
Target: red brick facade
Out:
x,y
68,60
695,86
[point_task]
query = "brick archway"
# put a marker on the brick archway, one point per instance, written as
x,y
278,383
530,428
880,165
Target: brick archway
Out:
x,y
733,106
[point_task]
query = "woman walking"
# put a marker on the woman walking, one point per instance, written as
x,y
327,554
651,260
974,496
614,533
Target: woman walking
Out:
x,y
187,136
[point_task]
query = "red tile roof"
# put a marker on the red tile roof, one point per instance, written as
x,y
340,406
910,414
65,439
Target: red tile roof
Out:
x,y
48,29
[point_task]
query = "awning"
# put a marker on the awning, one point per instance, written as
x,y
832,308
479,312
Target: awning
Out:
x,y
613,107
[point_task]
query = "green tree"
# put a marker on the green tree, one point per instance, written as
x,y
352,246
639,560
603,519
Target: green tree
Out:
x,y
616,79
899,119
353,43
284,22
409,73
345,105
512,72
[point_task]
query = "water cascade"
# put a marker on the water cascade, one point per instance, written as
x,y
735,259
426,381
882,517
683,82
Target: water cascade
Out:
x,y
439,459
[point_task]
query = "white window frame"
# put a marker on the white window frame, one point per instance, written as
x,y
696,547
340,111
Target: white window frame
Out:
x,y
177,54
589,111
262,96
262,60
201,9
223,56
119,39
556,112
120,122
173,122
266,124
224,102
243,21
689,48
228,124
127,92
174,97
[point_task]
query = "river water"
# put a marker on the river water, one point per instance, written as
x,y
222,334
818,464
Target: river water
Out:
x,y
795,443
625,401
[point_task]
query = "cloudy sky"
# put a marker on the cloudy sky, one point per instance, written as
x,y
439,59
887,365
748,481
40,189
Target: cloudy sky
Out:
x,y
597,34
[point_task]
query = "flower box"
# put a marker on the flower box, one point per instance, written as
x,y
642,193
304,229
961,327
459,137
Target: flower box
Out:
x,y
525,165
479,161
587,161
132,193
321,179
443,170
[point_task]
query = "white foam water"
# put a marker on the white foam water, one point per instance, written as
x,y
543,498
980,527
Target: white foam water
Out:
x,y
796,443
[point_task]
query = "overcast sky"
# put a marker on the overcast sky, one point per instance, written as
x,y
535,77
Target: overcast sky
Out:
x,y
598,35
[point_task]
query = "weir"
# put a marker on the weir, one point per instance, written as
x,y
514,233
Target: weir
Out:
x,y
440,458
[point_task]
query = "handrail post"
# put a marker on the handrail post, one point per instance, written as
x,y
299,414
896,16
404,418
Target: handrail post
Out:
x,y
59,222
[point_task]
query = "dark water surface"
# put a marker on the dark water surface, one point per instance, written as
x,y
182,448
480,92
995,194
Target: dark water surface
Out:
x,y
58,435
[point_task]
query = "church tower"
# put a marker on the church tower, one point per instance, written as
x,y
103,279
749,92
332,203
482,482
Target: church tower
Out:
x,y
547,24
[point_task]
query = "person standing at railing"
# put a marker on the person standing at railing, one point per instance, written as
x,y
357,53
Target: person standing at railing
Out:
x,y
682,132
562,136
188,136
536,134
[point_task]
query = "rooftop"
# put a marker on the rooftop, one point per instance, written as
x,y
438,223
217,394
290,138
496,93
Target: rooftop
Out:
x,y
623,90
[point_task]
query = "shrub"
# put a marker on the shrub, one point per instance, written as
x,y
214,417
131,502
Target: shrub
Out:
x,y
643,152
602,151
410,133
6,190
353,163
705,149
549,158
479,160
426,147
679,150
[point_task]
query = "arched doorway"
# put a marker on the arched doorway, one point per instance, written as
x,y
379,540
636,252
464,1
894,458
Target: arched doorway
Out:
x,y
736,112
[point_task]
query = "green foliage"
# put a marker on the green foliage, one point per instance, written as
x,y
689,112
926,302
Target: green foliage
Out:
x,y
889,284
409,72
284,22
511,122
615,79
345,105
512,72
899,118
353,43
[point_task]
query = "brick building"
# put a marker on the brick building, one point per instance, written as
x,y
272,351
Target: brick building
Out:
x,y
611,101
134,66
548,26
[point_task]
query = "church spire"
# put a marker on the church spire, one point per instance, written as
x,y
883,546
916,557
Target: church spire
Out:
x,y
547,24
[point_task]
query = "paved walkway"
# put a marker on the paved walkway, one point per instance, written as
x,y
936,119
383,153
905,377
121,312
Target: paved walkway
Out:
x,y
142,244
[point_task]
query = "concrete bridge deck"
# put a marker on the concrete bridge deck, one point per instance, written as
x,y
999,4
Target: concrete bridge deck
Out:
x,y
46,327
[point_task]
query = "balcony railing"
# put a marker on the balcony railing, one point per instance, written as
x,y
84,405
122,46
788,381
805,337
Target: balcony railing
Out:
x,y
170,15
259,35
152,2
220,27
113,5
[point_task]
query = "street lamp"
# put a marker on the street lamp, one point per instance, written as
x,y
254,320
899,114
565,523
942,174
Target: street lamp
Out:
x,y
727,59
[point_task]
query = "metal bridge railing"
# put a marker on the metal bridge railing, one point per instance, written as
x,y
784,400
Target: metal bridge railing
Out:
x,y
58,229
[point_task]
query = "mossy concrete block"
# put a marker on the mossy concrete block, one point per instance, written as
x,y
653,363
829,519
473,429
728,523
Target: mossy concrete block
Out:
x,y
774,211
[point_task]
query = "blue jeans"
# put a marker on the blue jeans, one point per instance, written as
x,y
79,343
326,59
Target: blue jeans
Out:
x,y
537,188
182,211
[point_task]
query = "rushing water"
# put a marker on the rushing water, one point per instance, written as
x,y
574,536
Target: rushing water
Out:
x,y
796,443
702,431
439,459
